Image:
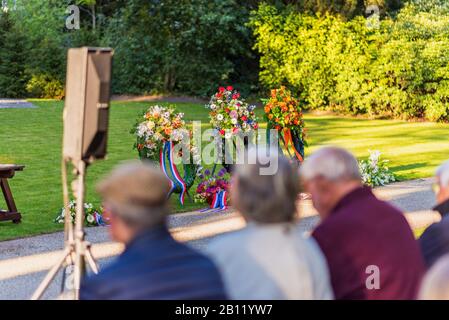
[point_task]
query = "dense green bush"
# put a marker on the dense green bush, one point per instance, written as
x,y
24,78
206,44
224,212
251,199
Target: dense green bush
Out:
x,y
396,67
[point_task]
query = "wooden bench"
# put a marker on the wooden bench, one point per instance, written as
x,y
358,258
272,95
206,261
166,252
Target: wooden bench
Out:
x,y
7,171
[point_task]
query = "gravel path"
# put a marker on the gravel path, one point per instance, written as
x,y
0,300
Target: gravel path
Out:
x,y
23,262
15,104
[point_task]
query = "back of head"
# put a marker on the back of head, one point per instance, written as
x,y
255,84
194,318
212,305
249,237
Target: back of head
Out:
x,y
266,187
435,285
332,163
137,193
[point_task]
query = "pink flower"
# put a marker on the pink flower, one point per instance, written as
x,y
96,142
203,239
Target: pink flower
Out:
x,y
221,89
230,88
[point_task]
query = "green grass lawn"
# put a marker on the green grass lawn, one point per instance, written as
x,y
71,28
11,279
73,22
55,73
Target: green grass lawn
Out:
x,y
33,137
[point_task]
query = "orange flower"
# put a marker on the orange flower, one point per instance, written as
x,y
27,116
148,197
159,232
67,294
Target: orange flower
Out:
x,y
167,131
270,116
267,109
284,109
273,93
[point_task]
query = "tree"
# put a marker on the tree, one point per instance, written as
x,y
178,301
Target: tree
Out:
x,y
12,58
188,46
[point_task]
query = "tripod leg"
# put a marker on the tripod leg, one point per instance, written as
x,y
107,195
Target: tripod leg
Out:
x,y
51,274
79,231
90,260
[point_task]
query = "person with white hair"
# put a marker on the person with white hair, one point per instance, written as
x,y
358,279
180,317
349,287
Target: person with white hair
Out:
x,y
269,259
370,249
435,285
435,239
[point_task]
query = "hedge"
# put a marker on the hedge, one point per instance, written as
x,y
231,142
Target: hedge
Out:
x,y
396,67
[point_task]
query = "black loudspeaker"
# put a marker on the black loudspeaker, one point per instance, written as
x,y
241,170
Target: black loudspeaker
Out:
x,y
86,112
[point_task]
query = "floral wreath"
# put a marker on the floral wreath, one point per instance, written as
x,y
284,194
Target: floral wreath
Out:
x,y
283,113
156,137
230,114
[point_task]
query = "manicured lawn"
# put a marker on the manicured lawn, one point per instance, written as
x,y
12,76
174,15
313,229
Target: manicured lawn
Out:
x,y
33,137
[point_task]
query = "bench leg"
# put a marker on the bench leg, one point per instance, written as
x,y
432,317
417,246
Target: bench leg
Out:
x,y
12,214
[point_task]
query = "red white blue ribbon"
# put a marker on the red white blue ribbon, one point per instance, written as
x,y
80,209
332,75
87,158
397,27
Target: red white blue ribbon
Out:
x,y
175,173
219,201
177,180
164,168
99,219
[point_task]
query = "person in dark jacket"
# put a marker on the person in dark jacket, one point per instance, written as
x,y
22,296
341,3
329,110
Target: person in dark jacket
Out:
x,y
153,266
370,249
435,239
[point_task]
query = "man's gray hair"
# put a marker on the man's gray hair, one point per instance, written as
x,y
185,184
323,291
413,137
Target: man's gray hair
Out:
x,y
332,163
443,174
136,192
263,197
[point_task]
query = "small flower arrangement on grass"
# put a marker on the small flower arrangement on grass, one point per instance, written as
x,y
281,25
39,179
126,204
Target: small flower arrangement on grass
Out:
x,y
230,114
93,216
375,171
210,185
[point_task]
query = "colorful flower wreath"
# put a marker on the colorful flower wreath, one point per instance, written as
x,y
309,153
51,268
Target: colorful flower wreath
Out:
x,y
283,113
230,114
156,137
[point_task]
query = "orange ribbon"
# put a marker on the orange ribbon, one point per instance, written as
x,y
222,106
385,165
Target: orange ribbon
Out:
x,y
288,140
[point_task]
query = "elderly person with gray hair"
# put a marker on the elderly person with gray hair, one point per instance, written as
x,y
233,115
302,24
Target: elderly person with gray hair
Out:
x,y
369,246
153,266
269,258
435,239
435,285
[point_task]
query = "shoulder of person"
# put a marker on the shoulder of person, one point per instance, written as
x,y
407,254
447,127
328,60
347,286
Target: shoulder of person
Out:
x,y
227,242
436,229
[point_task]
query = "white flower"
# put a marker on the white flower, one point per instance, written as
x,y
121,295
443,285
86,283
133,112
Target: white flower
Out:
x,y
234,121
374,155
228,135
90,219
141,129
219,117
244,125
150,125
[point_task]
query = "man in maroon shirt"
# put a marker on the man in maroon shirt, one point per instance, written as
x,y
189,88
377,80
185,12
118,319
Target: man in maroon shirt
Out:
x,y
369,246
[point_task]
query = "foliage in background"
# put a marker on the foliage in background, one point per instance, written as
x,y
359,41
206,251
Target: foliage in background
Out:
x,y
45,86
375,171
12,58
397,68
325,50
187,46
